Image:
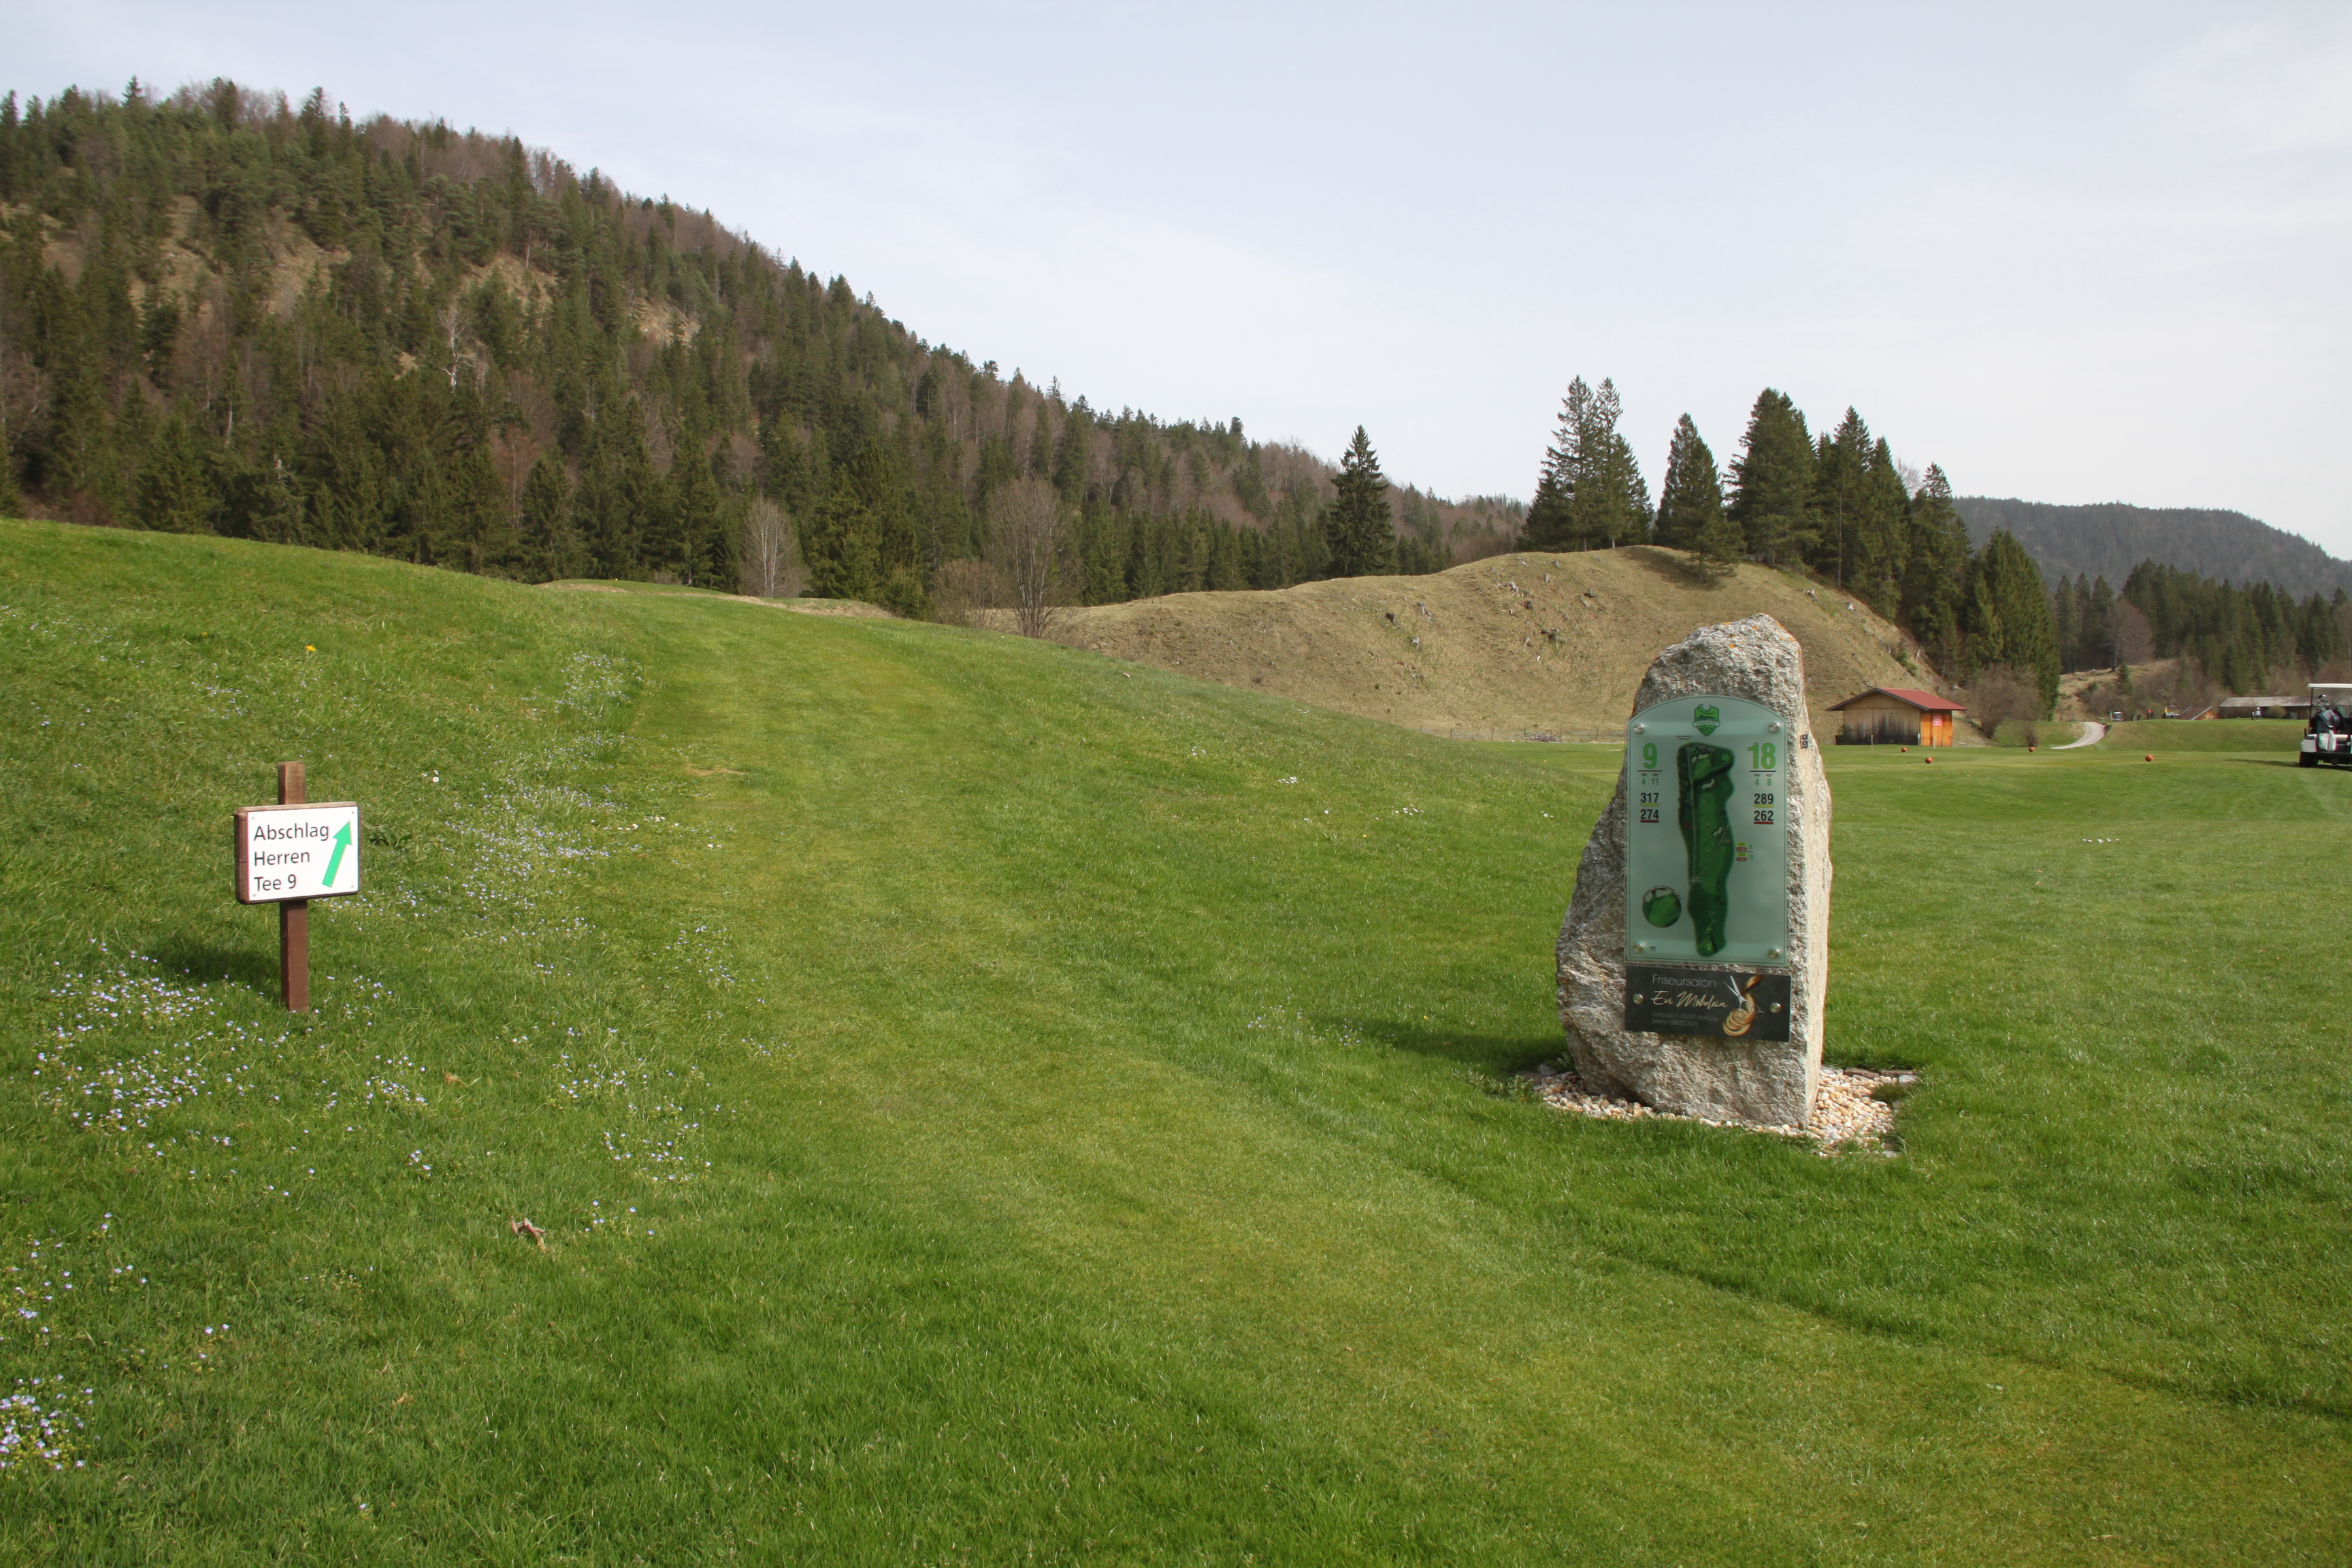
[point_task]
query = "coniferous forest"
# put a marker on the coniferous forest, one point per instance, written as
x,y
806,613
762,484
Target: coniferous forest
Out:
x,y
1839,506
223,312
2243,639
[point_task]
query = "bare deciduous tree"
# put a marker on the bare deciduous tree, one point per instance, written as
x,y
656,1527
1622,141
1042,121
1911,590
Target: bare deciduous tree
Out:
x,y
772,552
512,453
2135,644
1999,694
1027,533
965,589
24,401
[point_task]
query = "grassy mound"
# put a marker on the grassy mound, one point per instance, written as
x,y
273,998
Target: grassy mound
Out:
x,y
1529,642
988,1103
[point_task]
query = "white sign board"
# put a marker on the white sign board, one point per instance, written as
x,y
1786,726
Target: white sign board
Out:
x,y
297,852
1707,842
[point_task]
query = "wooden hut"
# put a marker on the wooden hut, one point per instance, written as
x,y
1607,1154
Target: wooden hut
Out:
x,y
2262,708
1895,716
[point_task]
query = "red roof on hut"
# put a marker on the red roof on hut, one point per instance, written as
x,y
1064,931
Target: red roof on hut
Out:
x,y
1926,703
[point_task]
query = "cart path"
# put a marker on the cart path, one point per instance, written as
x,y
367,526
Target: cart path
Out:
x,y
2093,733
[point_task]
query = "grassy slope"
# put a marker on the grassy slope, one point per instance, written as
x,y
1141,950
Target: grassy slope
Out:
x,y
1096,1162
1485,659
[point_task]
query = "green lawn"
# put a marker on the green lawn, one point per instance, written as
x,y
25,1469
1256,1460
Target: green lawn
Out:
x,y
2049,733
2269,737
990,1103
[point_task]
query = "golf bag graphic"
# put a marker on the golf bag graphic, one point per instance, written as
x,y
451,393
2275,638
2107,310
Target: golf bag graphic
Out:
x,y
1702,811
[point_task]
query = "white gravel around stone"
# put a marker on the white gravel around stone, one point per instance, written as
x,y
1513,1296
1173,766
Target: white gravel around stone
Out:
x,y
1847,1112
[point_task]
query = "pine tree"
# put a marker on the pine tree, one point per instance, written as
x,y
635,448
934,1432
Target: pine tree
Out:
x,y
2235,671
550,548
1074,453
2064,625
1612,506
1590,492
1357,527
694,503
482,536
175,494
264,500
841,546
2098,626
1296,546
1985,642
1935,569
2009,611
420,514
619,495
1720,546
1545,525
1041,443
1840,475
1772,500
1690,497
1609,504
1548,524
1882,539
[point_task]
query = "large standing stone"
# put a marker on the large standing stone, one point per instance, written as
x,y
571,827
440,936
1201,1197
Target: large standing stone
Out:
x,y
1765,1083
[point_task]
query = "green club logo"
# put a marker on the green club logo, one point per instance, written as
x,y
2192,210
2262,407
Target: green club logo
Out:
x,y
1707,717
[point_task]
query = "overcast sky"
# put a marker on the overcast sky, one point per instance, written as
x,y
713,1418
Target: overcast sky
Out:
x,y
2071,252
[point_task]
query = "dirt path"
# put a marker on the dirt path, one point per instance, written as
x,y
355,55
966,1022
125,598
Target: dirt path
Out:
x,y
2093,733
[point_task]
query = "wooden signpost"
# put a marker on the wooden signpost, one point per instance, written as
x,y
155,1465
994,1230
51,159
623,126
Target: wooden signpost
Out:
x,y
289,854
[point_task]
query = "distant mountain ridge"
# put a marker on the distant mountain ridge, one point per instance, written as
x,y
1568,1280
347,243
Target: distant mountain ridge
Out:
x,y
2110,538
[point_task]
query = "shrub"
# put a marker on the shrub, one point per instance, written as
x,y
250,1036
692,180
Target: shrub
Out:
x,y
2001,694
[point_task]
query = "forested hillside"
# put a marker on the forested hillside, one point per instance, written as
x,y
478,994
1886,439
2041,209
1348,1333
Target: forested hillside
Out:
x,y
221,312
2109,541
2241,639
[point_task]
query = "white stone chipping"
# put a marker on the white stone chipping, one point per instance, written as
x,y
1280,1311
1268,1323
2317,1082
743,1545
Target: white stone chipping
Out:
x,y
1847,1111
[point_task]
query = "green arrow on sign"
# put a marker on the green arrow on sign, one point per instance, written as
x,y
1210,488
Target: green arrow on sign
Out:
x,y
342,842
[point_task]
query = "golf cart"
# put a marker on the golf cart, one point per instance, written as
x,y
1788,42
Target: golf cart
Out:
x,y
2329,738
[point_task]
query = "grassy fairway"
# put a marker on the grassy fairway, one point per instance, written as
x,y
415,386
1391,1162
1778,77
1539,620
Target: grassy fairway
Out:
x,y
2273,738
989,1103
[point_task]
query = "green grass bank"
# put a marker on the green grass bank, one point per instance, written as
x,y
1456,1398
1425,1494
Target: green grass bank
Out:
x,y
990,1103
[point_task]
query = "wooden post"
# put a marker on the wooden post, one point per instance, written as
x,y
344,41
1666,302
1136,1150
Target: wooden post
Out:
x,y
293,914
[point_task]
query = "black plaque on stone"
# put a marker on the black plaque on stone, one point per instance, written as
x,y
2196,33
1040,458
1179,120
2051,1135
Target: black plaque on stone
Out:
x,y
1726,1003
